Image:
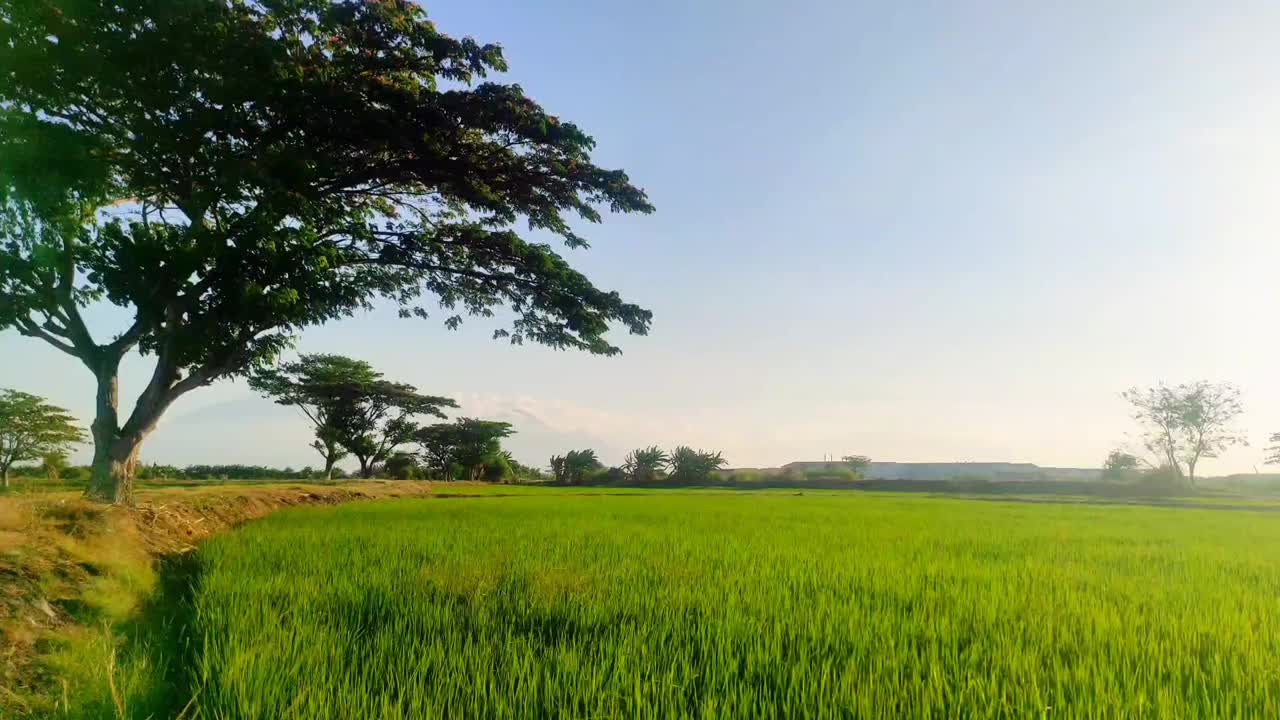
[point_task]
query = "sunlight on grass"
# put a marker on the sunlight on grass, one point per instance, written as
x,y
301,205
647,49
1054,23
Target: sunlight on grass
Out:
x,y
743,605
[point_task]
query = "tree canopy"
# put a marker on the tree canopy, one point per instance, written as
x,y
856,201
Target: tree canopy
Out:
x,y
574,466
467,446
321,386
694,466
372,419
856,463
31,429
645,464
232,172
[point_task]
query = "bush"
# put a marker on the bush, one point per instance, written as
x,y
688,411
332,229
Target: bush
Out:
x,y
402,466
844,474
498,469
606,476
1163,479
744,476
74,473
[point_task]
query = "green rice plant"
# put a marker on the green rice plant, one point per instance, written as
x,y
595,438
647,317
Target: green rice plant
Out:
x,y
723,604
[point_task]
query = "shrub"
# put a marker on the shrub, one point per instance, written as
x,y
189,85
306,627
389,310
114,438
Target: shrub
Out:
x,y
1163,479
498,469
402,466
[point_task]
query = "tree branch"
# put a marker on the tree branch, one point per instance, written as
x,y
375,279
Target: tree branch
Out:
x,y
30,329
128,339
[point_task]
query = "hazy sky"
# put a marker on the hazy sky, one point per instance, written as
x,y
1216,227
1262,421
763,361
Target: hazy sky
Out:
x,y
916,231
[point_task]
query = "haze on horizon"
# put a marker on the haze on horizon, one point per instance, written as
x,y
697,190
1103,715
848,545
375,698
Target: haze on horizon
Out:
x,y
914,233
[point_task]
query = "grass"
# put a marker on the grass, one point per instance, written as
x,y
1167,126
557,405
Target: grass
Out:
x,y
95,602
735,605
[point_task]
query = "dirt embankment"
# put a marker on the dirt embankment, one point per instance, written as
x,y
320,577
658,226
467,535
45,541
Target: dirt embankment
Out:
x,y
67,565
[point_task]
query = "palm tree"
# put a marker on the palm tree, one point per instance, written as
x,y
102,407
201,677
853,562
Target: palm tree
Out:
x,y
645,464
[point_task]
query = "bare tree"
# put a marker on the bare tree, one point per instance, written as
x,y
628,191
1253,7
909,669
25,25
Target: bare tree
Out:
x,y
1187,423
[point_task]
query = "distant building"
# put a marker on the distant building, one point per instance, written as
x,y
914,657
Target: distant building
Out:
x,y
993,471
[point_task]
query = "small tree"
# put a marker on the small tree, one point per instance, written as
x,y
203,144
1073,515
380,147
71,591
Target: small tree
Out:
x,y
54,465
31,428
558,469
1120,465
645,464
857,463
694,466
1187,423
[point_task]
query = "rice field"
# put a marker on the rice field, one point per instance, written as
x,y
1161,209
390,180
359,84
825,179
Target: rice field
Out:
x,y
738,605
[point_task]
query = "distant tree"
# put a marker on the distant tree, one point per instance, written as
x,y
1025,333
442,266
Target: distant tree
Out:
x,y
694,466
645,464
321,386
233,172
31,428
857,463
525,473
1120,465
1273,450
558,470
377,418
578,464
1187,423
467,444
54,465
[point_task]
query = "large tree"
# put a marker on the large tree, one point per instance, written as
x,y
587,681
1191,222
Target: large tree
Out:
x,y
230,172
1186,423
31,428
322,387
467,445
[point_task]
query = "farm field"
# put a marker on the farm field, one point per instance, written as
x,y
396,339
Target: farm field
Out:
x,y
735,604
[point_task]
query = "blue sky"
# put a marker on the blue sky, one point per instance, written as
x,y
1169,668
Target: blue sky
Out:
x,y
916,231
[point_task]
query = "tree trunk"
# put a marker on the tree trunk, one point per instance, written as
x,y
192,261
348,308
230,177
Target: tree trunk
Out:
x,y
114,463
329,462
366,468
4,477
114,455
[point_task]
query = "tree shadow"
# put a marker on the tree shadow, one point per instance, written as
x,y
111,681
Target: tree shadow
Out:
x,y
154,668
